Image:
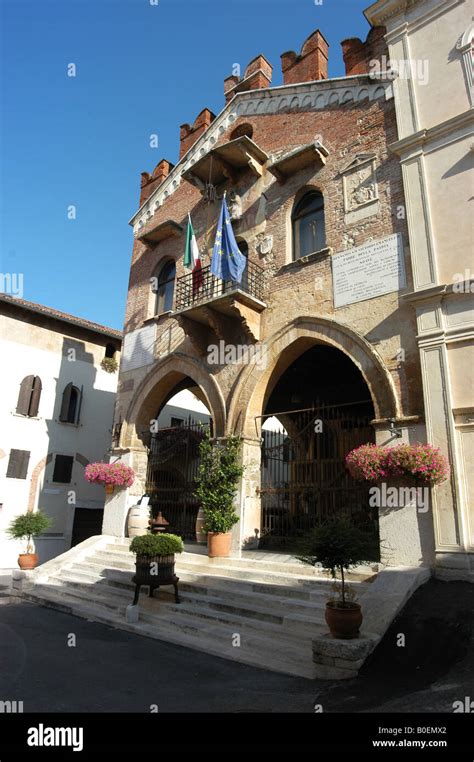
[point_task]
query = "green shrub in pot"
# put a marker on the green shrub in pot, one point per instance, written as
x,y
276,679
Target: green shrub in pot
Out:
x,y
157,545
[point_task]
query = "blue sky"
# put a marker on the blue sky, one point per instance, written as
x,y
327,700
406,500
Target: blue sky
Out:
x,y
83,141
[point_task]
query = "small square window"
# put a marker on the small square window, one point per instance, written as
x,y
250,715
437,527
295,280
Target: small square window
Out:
x,y
63,469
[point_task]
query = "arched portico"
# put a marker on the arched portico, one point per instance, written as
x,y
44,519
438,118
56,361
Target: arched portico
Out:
x,y
163,380
166,377
256,382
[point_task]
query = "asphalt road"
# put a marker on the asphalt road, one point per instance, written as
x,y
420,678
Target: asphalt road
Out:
x,y
109,670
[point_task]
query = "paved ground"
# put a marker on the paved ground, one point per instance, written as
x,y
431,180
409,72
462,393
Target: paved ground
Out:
x,y
110,670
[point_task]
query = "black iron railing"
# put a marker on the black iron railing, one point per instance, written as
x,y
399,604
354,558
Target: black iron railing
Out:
x,y
199,287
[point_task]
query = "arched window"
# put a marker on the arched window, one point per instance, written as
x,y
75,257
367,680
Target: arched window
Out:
x,y
243,129
164,288
71,404
244,249
308,225
29,396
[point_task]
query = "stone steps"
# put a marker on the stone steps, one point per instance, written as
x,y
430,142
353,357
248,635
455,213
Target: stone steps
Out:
x,y
235,593
275,606
297,621
265,562
247,571
301,592
263,649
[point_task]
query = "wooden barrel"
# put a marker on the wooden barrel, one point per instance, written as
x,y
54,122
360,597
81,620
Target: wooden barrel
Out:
x,y
137,521
201,535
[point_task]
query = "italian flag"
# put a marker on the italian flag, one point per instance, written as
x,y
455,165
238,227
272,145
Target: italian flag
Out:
x,y
191,256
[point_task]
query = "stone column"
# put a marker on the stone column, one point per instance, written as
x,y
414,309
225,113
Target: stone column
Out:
x,y
406,530
118,504
247,531
441,433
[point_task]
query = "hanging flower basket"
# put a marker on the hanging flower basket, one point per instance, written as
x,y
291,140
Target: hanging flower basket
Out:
x,y
421,462
109,364
111,475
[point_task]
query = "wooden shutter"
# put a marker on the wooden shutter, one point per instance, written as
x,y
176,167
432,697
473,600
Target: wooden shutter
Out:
x,y
63,469
24,397
63,415
35,397
18,464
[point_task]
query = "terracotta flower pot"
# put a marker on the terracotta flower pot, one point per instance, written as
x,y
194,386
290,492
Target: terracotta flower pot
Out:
x,y
344,622
218,544
109,489
28,560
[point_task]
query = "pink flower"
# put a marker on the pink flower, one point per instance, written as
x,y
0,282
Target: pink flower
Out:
x,y
422,461
117,474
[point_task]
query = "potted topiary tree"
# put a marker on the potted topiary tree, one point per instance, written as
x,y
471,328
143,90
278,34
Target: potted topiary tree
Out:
x,y
25,527
338,545
155,561
218,475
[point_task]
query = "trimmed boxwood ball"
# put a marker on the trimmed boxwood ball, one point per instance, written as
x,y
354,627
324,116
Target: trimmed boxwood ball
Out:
x,y
156,545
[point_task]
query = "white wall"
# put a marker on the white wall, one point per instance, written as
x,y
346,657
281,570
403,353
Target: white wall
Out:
x,y
183,405
28,349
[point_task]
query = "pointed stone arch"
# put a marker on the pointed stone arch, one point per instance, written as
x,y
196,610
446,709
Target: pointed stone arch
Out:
x,y
156,387
256,383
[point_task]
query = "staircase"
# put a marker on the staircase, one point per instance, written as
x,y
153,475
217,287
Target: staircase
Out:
x,y
259,612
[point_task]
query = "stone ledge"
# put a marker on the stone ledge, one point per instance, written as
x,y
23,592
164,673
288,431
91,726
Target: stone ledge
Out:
x,y
388,594
301,261
342,650
337,659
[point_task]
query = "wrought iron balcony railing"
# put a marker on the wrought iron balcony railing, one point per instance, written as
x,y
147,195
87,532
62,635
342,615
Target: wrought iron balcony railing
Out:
x,y
197,288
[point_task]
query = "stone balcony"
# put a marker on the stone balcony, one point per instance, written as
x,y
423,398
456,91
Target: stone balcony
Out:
x,y
210,309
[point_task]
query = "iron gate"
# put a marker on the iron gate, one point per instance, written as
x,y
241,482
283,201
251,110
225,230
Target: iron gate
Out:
x,y
173,462
304,480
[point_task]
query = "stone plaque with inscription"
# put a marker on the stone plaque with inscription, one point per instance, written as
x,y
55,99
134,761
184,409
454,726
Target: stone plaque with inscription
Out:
x,y
138,348
367,271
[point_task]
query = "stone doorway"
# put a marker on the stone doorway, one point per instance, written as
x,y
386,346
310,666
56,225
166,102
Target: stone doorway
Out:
x,y
173,462
318,410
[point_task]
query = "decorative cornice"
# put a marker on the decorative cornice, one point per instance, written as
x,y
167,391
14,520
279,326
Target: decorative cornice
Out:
x,y
383,10
439,291
433,292
379,12
306,96
425,136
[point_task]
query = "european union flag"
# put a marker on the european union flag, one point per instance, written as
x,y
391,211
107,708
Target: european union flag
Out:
x,y
228,263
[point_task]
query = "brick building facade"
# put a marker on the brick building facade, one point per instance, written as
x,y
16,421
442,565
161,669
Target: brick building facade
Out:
x,y
312,143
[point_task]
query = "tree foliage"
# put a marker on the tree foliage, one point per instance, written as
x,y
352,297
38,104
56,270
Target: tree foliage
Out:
x,y
219,472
